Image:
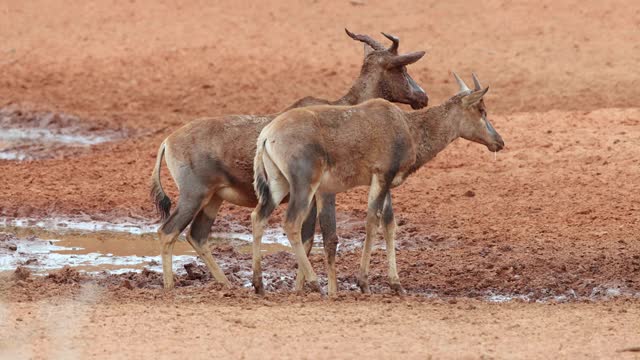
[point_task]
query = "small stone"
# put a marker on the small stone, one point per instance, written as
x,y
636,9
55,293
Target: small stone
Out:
x,y
21,273
470,193
127,284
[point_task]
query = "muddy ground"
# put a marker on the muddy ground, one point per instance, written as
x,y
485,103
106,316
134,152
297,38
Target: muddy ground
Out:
x,y
553,218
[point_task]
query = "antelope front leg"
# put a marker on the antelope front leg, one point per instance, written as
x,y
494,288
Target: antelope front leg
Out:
x,y
377,194
389,226
297,210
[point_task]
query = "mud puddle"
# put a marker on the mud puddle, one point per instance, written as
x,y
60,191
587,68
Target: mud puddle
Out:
x,y
94,246
125,257
57,225
115,252
273,236
31,135
130,258
127,254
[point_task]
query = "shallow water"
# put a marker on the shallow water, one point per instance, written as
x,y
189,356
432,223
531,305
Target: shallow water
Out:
x,y
45,245
271,236
54,225
11,135
28,135
33,143
44,250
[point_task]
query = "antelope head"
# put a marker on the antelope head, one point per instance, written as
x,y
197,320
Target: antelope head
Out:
x,y
475,126
386,72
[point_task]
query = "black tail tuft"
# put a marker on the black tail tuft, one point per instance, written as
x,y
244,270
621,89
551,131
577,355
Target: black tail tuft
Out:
x,y
161,201
260,182
158,196
264,196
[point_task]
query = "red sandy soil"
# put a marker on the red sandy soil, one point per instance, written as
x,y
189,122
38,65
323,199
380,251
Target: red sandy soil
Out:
x,y
81,318
208,326
557,210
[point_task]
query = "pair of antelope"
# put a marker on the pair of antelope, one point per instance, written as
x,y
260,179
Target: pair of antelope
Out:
x,y
310,152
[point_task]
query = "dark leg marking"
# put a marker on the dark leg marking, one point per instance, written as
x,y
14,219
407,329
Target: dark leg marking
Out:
x,y
328,224
329,238
387,210
201,227
309,225
183,215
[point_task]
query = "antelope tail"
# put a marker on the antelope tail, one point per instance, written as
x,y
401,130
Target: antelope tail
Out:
x,y
160,199
261,181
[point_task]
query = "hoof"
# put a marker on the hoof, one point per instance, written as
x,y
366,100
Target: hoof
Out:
x,y
315,286
398,289
169,284
225,282
258,287
364,286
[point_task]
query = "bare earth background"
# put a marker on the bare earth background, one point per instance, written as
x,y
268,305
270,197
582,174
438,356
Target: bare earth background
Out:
x,y
557,211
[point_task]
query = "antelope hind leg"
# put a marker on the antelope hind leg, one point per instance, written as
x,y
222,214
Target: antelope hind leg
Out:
x,y
167,241
187,207
377,193
297,211
308,230
198,237
273,193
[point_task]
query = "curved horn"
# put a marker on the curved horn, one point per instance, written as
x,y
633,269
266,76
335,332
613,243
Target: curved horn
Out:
x,y
461,84
476,81
394,47
365,39
406,59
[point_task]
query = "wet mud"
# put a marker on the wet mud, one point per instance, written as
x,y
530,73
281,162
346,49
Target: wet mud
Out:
x,y
36,135
435,270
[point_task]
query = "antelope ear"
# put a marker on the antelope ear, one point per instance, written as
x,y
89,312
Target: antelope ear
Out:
x,y
474,97
404,60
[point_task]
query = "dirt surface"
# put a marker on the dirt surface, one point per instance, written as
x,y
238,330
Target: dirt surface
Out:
x,y
70,315
209,326
554,215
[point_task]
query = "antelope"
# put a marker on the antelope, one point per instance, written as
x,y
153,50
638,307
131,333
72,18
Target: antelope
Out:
x,y
313,151
211,159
